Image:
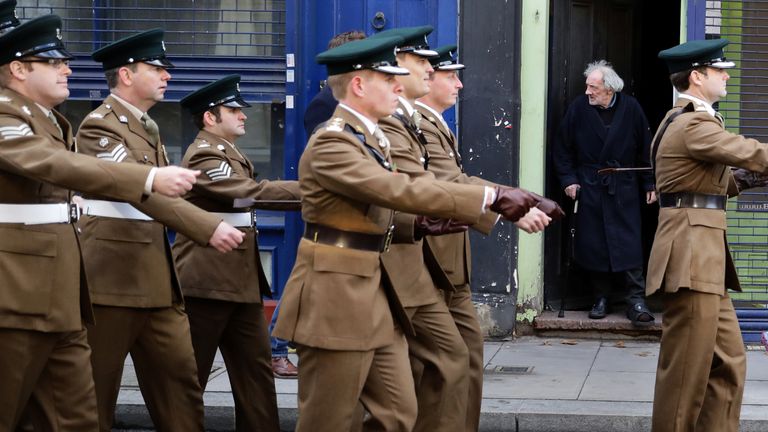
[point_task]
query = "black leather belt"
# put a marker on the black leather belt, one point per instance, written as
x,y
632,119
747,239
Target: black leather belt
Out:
x,y
347,239
692,200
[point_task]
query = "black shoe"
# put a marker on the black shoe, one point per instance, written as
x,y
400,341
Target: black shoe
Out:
x,y
640,315
599,309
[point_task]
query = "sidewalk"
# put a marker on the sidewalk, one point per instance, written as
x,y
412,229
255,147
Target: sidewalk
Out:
x,y
531,384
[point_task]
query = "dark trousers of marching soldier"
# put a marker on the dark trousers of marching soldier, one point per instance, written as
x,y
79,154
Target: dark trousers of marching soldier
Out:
x,y
702,365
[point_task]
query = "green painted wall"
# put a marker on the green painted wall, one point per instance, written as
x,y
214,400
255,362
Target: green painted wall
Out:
x,y
533,133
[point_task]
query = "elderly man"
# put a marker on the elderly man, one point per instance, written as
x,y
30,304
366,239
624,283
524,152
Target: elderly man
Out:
x,y
606,129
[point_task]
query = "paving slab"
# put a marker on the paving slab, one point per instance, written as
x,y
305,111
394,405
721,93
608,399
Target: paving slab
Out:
x,y
573,388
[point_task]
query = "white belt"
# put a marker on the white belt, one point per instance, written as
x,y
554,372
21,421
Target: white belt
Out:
x,y
38,214
240,220
112,209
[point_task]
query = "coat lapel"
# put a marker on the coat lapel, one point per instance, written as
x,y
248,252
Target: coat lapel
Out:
x,y
134,124
618,119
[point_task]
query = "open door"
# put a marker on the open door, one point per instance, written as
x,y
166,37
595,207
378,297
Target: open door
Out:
x,y
629,34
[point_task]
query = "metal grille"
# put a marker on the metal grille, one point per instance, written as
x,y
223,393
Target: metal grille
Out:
x,y
206,39
745,24
193,27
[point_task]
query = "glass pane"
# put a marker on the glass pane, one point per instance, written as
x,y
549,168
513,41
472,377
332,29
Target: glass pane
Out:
x,y
199,27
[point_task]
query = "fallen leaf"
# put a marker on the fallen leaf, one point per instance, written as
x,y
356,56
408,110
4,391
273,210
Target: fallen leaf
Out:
x,y
619,344
643,354
569,342
546,342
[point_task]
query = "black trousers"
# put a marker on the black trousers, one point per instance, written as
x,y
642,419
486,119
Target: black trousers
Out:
x,y
630,282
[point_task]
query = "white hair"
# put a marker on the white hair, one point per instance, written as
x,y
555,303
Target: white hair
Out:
x,y
611,79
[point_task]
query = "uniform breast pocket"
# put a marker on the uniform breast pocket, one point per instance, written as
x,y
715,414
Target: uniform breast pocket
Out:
x,y
27,269
145,157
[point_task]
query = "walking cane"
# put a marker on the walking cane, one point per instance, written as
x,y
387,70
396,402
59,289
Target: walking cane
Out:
x,y
571,254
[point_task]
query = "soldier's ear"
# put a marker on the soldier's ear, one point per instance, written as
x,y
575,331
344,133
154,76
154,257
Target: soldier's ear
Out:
x,y
357,85
19,70
209,118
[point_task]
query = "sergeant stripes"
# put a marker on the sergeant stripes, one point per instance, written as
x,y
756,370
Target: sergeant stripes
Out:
x,y
116,155
223,171
10,132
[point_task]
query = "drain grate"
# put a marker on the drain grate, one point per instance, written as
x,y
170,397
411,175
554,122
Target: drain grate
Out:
x,y
510,370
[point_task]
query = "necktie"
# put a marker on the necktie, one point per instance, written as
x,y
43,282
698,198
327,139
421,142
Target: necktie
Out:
x,y
55,123
416,118
383,141
151,127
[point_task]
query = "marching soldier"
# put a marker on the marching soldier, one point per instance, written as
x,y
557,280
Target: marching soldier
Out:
x,y
349,185
135,290
223,292
452,251
437,348
44,297
702,363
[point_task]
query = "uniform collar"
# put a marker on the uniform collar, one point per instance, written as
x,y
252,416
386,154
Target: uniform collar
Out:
x,y
45,110
407,105
131,108
434,112
371,126
696,100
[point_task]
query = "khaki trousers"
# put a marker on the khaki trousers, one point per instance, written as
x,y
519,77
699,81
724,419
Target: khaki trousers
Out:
x,y
440,364
702,365
239,330
332,383
465,316
160,345
47,377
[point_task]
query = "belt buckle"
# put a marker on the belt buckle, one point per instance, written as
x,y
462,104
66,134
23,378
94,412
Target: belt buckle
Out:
x,y
388,237
74,213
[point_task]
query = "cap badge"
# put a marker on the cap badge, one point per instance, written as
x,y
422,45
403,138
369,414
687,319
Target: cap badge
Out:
x,y
237,86
58,33
103,142
162,44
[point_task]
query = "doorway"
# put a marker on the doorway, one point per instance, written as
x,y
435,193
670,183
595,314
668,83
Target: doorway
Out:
x,y
628,34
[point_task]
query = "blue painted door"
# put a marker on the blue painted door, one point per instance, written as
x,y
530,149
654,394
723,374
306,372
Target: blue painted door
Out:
x,y
310,24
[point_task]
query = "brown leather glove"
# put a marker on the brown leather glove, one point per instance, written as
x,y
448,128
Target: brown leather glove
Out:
x,y
425,225
746,179
513,203
549,207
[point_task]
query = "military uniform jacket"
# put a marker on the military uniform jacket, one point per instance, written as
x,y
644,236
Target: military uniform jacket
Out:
x,y
694,155
42,286
335,297
129,262
452,251
226,175
413,278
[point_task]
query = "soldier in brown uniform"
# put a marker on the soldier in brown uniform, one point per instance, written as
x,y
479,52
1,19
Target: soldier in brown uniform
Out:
x,y
437,348
452,251
702,364
136,294
43,296
223,292
348,186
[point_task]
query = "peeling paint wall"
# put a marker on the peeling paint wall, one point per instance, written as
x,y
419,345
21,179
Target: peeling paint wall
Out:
x,y
489,112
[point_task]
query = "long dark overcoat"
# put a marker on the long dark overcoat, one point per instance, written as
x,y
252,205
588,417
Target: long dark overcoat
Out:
x,y
608,225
